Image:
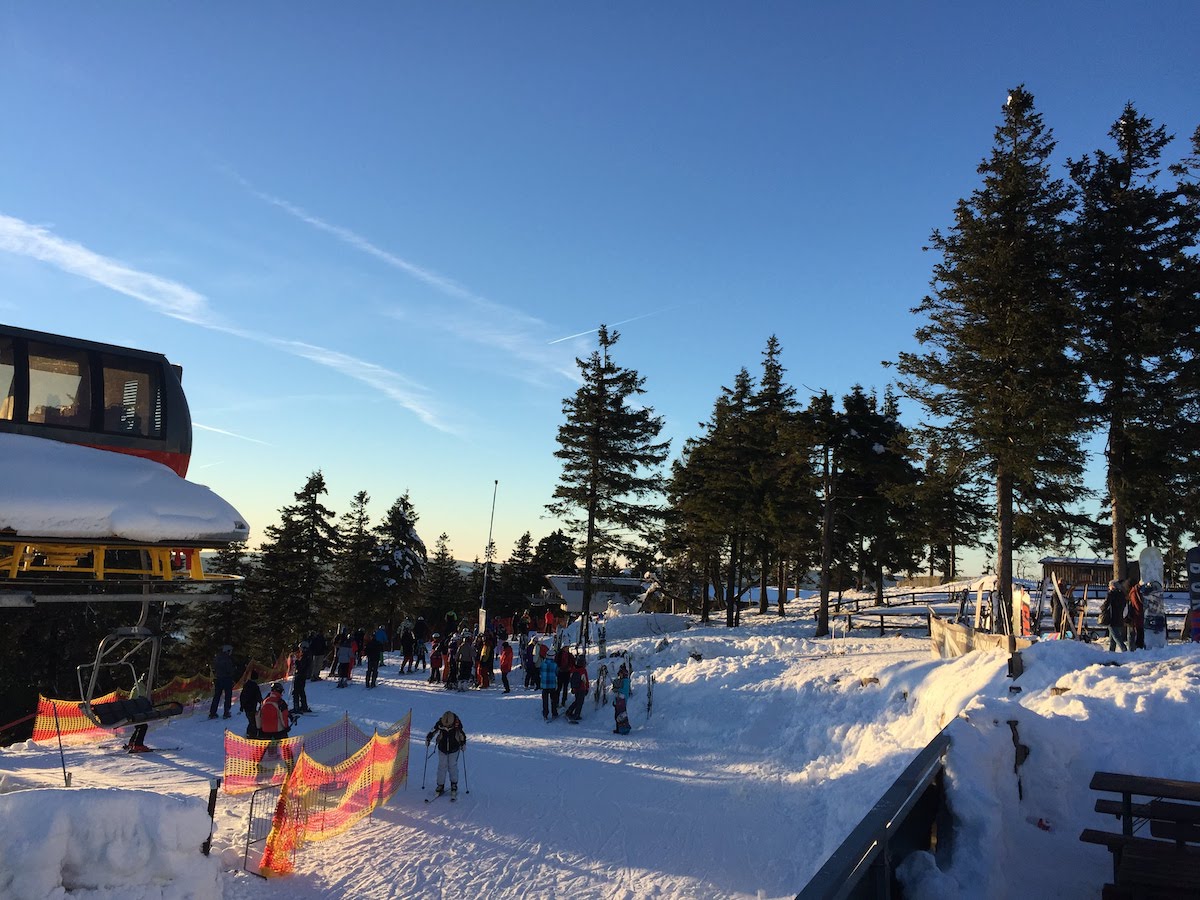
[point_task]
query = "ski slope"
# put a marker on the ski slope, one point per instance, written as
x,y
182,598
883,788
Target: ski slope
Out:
x,y
760,756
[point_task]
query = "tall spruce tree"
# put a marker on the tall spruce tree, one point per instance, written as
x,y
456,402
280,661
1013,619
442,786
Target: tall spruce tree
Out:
x,y
444,588
783,486
358,577
1133,280
951,511
519,578
1187,171
289,592
610,457
997,364
555,554
714,498
403,560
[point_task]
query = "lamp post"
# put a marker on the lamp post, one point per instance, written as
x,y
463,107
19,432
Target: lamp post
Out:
x,y
487,560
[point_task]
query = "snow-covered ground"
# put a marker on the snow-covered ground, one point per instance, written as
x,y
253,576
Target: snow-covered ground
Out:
x,y
764,749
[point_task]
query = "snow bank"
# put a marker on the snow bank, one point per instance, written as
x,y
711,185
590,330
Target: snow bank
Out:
x,y
104,844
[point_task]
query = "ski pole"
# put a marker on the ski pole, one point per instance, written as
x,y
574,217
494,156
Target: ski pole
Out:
x,y
426,769
466,779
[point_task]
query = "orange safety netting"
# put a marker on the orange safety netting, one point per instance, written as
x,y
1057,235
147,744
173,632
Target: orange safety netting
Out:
x,y
321,800
249,766
74,727
55,717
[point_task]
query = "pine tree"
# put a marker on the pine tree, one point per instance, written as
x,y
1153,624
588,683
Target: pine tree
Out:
x,y
781,479
358,576
610,461
444,588
519,578
951,511
555,554
997,365
715,498
289,592
1137,300
403,560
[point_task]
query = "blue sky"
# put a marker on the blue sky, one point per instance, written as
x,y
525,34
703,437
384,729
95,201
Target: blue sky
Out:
x,y
376,236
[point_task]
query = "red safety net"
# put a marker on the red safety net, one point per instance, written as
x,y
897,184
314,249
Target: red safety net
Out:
x,y
320,800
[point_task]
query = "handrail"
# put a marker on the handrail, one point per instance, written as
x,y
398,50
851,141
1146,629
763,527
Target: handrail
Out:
x,y
852,861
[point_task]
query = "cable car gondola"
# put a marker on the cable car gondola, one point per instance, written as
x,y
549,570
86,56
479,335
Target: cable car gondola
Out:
x,y
100,395
61,539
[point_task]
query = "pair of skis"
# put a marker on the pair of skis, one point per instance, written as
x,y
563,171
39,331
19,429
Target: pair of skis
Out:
x,y
453,796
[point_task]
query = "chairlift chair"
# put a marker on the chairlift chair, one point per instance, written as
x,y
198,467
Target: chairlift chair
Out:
x,y
114,652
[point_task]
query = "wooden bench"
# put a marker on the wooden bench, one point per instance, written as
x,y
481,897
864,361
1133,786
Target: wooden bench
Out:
x,y
1165,864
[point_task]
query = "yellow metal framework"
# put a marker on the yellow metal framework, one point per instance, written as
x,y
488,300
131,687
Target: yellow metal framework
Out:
x,y
100,561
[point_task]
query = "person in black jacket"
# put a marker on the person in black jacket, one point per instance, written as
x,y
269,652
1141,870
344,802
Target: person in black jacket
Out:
x,y
374,655
222,669
1114,603
250,701
300,676
451,738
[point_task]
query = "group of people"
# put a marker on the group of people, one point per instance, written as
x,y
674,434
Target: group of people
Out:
x,y
463,660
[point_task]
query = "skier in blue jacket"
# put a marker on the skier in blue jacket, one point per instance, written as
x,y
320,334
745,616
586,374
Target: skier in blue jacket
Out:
x,y
549,672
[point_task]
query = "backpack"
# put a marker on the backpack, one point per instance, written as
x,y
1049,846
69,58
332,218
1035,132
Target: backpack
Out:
x,y
1104,617
271,717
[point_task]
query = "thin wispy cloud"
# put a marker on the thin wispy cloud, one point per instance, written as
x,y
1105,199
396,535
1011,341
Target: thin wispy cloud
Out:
x,y
161,294
240,437
488,323
181,302
571,337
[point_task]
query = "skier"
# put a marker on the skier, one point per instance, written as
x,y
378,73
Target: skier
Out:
x,y
374,655
250,701
506,659
344,660
222,669
549,681
137,742
621,690
300,677
580,688
318,647
451,739
530,667
274,721
566,663
484,666
408,646
466,661
435,660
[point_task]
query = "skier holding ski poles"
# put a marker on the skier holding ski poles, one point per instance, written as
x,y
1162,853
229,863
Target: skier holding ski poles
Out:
x,y
451,739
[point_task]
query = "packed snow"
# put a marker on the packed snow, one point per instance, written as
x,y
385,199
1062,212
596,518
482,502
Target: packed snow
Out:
x,y
763,749
82,493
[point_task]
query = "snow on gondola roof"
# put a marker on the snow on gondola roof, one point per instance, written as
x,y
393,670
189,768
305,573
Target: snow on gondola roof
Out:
x,y
59,491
